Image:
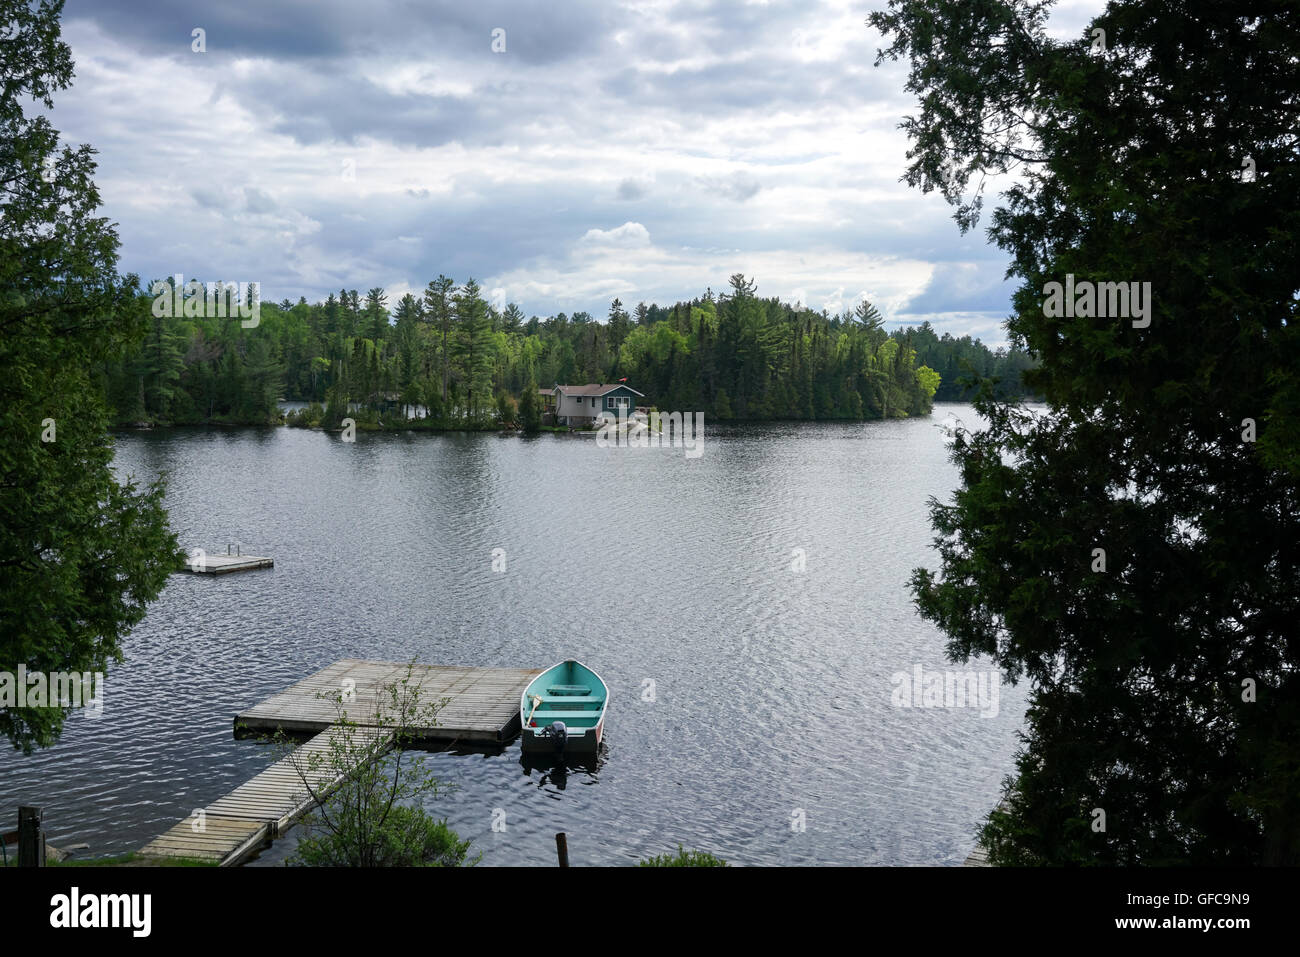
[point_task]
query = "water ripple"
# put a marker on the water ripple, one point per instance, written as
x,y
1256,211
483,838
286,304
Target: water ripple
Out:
x,y
771,704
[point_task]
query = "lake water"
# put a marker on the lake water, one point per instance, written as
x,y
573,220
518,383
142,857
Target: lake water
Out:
x,y
772,736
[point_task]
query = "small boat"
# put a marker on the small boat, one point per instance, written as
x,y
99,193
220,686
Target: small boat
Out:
x,y
562,711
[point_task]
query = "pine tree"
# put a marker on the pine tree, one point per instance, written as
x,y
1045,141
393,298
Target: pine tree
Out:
x,y
1132,553
512,319
376,315
473,344
619,325
81,556
158,365
530,411
438,310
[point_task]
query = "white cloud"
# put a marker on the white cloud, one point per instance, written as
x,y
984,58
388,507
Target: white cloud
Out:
x,y
744,137
628,235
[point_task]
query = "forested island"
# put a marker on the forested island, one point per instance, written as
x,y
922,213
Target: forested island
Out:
x,y
450,359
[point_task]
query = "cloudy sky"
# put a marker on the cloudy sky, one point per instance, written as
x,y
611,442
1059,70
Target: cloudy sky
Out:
x,y
644,150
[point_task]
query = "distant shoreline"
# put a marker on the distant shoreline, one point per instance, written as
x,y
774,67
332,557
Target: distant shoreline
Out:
x,y
415,426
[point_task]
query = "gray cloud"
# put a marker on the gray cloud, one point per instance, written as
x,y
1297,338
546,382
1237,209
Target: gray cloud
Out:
x,y
975,286
738,187
630,189
290,30
257,201
323,143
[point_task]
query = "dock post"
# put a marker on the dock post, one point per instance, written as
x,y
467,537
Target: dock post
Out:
x,y
31,838
562,848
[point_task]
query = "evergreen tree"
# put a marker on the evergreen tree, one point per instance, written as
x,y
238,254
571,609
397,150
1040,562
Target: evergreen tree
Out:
x,y
472,345
438,312
619,324
512,319
158,365
1131,553
376,315
81,555
530,410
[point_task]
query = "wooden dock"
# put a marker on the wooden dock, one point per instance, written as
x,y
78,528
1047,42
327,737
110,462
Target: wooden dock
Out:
x,y
478,704
979,857
224,564
259,810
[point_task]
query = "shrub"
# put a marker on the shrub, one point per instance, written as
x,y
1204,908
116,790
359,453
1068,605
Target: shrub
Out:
x,y
684,858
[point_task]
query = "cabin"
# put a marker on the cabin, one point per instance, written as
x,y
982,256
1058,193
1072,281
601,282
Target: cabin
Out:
x,y
580,405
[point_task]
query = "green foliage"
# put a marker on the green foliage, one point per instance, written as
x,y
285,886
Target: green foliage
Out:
x,y
683,858
962,363
408,837
506,409
81,555
310,417
928,380
448,357
1140,674
530,408
472,348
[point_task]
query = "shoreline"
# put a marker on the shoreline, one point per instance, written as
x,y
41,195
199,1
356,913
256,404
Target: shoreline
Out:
x,y
415,426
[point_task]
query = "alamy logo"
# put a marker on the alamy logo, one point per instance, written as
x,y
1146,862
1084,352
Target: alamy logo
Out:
x,y
947,689
102,910
58,689
213,300
1103,300
660,430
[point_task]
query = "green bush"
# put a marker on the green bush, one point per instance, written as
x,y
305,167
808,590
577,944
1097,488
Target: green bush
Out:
x,y
684,858
408,837
306,418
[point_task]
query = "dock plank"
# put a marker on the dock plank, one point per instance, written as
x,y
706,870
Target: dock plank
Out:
x,y
225,841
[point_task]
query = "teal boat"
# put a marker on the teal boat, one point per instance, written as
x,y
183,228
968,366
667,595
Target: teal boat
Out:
x,y
562,711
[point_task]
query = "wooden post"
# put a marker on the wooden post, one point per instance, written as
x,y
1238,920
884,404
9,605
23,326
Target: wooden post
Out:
x,y
31,838
562,848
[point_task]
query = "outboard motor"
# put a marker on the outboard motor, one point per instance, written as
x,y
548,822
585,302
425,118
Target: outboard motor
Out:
x,y
560,733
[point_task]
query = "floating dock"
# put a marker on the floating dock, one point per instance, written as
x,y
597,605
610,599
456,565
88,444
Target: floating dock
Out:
x,y
477,704
201,563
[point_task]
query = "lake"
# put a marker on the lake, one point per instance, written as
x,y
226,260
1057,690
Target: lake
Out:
x,y
748,609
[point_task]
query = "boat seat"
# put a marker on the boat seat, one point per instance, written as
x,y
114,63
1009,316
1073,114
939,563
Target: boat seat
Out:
x,y
567,690
547,716
560,701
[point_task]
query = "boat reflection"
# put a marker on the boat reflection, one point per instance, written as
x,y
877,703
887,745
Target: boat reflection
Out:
x,y
553,770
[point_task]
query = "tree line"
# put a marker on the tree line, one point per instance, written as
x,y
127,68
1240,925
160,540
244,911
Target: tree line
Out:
x,y
450,359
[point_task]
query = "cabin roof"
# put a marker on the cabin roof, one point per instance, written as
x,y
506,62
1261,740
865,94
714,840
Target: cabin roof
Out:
x,y
594,388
